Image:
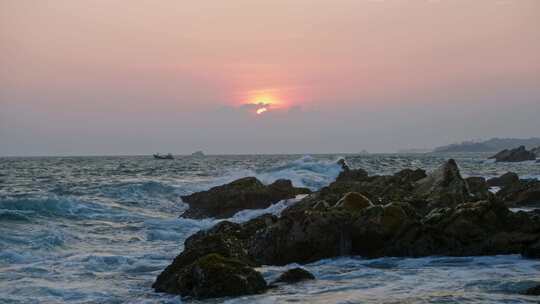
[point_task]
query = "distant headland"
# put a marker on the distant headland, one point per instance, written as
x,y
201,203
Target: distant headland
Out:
x,y
490,145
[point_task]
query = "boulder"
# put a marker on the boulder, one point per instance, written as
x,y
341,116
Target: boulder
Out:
x,y
514,155
214,276
246,193
226,239
354,201
443,187
505,180
478,188
294,275
522,193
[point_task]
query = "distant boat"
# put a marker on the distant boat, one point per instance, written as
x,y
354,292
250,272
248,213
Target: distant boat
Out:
x,y
166,156
198,154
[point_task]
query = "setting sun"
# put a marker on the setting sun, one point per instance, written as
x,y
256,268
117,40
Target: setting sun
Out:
x,y
261,110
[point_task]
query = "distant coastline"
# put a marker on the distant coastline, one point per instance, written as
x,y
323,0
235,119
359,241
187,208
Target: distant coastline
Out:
x,y
491,145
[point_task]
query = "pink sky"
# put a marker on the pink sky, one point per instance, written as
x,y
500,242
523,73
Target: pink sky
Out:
x,y
73,69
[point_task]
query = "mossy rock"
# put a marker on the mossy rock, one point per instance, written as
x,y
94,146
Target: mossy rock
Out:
x,y
354,201
214,276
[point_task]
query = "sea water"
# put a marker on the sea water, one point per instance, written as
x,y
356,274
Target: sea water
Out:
x,y
100,229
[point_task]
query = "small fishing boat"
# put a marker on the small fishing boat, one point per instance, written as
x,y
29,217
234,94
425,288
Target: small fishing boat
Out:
x,y
165,156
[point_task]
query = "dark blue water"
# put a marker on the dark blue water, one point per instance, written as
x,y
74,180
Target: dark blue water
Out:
x,y
99,230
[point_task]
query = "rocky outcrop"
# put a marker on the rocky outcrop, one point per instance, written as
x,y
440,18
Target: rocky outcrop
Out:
x,y
478,188
514,155
294,275
348,174
214,276
504,180
405,214
522,193
353,201
443,187
246,193
536,151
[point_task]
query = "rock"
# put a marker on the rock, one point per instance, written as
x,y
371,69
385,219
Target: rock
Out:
x,y
479,228
443,187
514,155
374,229
246,193
533,291
214,276
352,175
294,275
478,188
504,180
522,193
227,239
354,201
378,189
532,250
343,164
348,174
319,227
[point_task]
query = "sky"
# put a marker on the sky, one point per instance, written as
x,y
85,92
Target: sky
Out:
x,y
121,77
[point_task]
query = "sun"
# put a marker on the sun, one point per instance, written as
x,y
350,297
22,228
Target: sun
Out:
x,y
265,103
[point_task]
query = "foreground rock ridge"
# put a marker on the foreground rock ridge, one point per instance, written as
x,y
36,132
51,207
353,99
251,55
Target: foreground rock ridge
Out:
x,y
408,214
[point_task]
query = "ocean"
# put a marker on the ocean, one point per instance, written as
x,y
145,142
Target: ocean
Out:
x,y
100,229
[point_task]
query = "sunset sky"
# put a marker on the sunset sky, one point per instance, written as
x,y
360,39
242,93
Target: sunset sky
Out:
x,y
136,77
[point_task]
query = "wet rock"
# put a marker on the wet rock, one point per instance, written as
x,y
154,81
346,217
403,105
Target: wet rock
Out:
x,y
343,164
302,237
504,180
214,276
443,187
379,189
246,193
352,175
479,228
522,193
374,229
294,275
478,188
227,239
514,155
354,201
319,226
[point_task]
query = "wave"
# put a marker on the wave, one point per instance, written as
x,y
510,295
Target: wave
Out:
x,y
306,171
275,209
141,192
26,208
